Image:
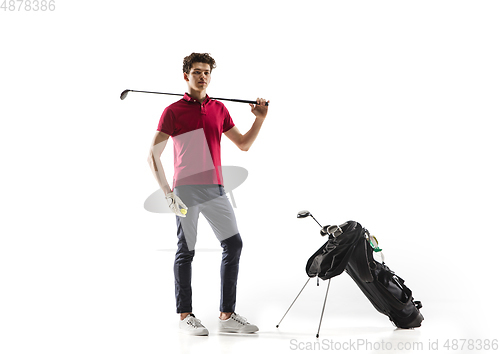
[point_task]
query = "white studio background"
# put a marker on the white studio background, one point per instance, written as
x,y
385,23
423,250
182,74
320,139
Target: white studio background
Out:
x,y
383,112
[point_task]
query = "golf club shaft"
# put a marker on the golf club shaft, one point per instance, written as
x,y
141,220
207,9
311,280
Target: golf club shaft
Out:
x,y
316,221
124,94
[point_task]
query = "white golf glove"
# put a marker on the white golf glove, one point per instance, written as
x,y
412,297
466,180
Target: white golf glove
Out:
x,y
176,205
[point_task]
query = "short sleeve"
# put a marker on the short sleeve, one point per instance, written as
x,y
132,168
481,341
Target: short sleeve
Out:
x,y
228,121
166,123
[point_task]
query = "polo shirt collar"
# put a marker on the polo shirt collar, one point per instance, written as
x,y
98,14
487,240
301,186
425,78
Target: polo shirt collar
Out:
x,y
190,99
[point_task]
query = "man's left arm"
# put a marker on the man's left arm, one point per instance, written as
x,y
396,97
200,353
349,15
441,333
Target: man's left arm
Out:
x,y
244,141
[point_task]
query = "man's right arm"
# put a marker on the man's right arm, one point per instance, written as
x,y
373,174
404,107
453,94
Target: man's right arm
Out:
x,y
159,142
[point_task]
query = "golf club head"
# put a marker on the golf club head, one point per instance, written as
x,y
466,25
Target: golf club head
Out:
x,y
124,94
303,214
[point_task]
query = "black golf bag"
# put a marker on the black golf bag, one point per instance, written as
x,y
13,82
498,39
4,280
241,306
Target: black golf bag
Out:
x,y
350,247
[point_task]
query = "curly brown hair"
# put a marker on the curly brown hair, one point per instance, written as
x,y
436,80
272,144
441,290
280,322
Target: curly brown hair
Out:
x,y
198,58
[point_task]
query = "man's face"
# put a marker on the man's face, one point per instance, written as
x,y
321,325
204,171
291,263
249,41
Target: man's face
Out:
x,y
198,77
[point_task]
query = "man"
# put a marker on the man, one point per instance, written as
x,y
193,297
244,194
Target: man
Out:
x,y
196,124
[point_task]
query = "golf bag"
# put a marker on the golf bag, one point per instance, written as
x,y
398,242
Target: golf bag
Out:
x,y
350,247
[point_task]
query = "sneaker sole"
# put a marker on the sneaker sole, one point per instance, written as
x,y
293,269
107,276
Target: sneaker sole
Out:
x,y
195,334
236,331
201,332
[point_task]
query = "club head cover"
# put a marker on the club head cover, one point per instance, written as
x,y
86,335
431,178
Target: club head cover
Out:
x,y
334,230
324,230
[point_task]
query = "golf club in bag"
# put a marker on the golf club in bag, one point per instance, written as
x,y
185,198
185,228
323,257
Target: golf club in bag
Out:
x,y
350,247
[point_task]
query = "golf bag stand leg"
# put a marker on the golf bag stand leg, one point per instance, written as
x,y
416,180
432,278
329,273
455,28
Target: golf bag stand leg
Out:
x,y
323,311
300,292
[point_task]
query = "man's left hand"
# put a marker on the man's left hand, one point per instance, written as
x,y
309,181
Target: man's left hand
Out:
x,y
260,109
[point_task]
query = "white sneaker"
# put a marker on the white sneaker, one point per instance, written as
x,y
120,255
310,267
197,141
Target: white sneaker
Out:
x,y
191,325
237,324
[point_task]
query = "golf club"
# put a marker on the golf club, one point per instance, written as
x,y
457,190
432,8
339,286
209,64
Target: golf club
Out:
x,y
125,93
304,214
332,230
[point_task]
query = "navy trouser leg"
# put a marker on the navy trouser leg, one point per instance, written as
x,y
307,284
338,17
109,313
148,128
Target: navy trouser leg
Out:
x,y
229,272
182,273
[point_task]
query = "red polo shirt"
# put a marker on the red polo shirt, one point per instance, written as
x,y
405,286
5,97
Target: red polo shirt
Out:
x,y
196,130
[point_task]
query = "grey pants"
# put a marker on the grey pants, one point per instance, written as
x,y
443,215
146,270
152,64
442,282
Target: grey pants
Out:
x,y
212,202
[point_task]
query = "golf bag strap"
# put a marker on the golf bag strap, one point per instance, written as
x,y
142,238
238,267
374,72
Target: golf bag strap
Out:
x,y
361,262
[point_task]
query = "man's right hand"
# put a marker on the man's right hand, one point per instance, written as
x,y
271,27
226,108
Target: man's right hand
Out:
x,y
176,205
